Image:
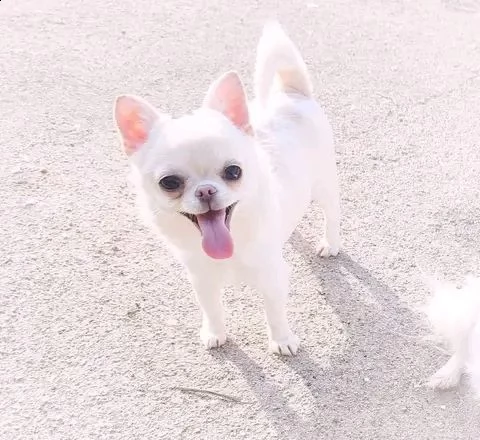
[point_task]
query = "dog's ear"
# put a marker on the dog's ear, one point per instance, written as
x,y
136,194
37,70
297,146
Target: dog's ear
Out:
x,y
227,96
135,118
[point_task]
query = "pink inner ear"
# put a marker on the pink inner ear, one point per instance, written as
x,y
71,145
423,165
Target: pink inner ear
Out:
x,y
238,113
227,96
134,119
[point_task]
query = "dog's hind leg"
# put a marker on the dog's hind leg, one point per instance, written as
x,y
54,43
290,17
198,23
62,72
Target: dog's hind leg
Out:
x,y
327,195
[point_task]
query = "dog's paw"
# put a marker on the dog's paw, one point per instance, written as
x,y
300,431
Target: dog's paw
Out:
x,y
285,347
325,249
446,377
212,340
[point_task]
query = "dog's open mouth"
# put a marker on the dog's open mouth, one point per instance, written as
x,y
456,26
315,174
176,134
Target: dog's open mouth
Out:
x,y
228,215
215,229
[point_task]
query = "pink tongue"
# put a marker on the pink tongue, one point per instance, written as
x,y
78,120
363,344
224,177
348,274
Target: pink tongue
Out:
x,y
217,241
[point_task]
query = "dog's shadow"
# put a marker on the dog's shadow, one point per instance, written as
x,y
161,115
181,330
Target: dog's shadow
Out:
x,y
380,374
269,397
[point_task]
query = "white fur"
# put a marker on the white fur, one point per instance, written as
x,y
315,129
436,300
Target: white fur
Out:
x,y
279,66
288,163
455,316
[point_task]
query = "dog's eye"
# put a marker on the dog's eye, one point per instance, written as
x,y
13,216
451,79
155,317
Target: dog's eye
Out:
x,y
171,183
232,172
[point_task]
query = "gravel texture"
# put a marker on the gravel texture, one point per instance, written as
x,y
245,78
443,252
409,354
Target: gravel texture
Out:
x,y
98,325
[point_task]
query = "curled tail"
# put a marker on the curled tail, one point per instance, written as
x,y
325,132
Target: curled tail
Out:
x,y
279,65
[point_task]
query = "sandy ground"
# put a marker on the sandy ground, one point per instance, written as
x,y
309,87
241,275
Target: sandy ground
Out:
x,y
98,326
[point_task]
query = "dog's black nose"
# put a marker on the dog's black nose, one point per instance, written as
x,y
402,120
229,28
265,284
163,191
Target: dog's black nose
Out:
x,y
205,192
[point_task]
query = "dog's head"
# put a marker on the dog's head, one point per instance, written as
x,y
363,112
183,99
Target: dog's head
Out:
x,y
198,166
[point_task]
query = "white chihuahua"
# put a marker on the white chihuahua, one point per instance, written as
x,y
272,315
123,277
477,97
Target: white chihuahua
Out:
x,y
455,316
226,186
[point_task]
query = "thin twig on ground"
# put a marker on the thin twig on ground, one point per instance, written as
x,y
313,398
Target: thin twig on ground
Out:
x,y
222,396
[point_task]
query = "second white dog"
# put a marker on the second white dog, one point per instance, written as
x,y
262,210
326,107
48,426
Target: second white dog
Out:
x,y
455,316
226,186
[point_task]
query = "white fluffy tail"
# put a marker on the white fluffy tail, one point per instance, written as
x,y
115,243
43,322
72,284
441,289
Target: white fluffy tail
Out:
x,y
280,65
454,312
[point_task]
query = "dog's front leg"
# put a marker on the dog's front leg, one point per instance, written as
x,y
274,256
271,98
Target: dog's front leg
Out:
x,y
208,291
449,375
273,282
